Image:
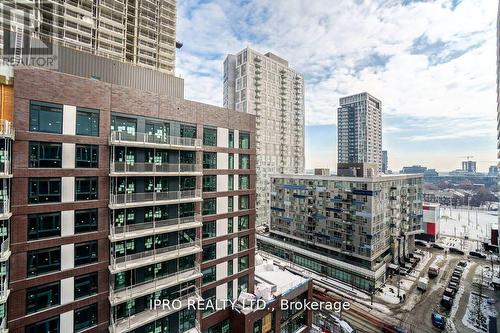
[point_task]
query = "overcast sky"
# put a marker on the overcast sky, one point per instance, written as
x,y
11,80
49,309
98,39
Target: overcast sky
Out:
x,y
432,63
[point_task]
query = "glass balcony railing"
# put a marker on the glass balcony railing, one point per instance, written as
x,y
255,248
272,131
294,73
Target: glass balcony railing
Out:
x,y
6,129
154,227
152,198
146,139
133,168
5,209
4,291
153,256
5,250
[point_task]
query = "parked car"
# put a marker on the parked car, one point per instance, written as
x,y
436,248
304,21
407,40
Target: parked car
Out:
x,y
456,251
477,254
462,264
393,329
421,243
453,285
449,292
447,302
455,279
437,246
438,321
459,268
433,271
457,274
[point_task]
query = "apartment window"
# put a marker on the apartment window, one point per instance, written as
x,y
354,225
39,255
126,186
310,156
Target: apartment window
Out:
x,y
44,261
209,160
230,225
127,126
86,188
85,220
230,204
188,131
85,253
230,288
230,182
209,183
209,229
230,270
242,263
209,296
44,225
187,320
244,140
231,139
243,284
45,155
43,190
209,252
87,122
87,156
244,182
230,246
85,317
209,274
210,136
230,161
86,285
187,157
244,202
210,206
243,222
46,117
243,243
42,297
244,161
50,325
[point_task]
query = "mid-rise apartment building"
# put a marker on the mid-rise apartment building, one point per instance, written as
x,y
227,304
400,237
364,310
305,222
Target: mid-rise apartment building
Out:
x,y
360,129
385,162
124,196
265,86
353,229
141,32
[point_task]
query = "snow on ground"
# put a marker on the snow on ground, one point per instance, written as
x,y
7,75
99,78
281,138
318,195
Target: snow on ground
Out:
x,y
475,224
456,303
478,321
389,294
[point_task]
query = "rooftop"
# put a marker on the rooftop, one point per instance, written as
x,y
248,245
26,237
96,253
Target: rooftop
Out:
x,y
380,177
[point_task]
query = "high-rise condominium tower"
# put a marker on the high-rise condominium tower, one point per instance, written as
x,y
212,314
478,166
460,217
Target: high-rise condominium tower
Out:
x,y
360,129
265,86
141,32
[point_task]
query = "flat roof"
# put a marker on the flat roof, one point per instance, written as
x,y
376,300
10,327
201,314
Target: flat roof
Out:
x,y
378,178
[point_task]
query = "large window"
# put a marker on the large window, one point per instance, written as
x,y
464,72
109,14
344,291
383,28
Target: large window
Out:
x,y
244,182
230,204
230,161
86,156
222,327
44,225
209,252
242,263
243,222
87,122
85,220
244,140
45,155
231,139
187,157
209,160
209,296
209,183
42,297
244,162
243,243
46,117
230,269
86,285
127,126
230,246
44,261
209,229
85,317
209,274
244,202
85,253
188,131
230,182
50,325
230,225
43,190
86,188
187,320
209,136
210,206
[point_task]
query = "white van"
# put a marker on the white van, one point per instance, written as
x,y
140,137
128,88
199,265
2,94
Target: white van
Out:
x,y
422,284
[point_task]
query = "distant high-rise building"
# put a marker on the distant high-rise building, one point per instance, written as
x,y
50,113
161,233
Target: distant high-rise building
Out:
x,y
493,170
385,161
469,166
135,31
264,85
360,129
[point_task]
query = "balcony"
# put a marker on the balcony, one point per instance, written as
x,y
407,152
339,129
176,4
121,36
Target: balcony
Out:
x,y
4,292
5,171
6,130
151,140
5,209
5,250
117,201
149,287
135,230
135,321
160,169
118,264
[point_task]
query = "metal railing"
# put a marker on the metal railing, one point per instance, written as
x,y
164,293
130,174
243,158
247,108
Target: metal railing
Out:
x,y
152,226
123,199
5,207
145,138
5,247
6,129
124,167
150,286
5,167
152,255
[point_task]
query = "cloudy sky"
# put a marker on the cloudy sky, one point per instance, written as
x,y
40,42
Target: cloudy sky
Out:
x,y
432,63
